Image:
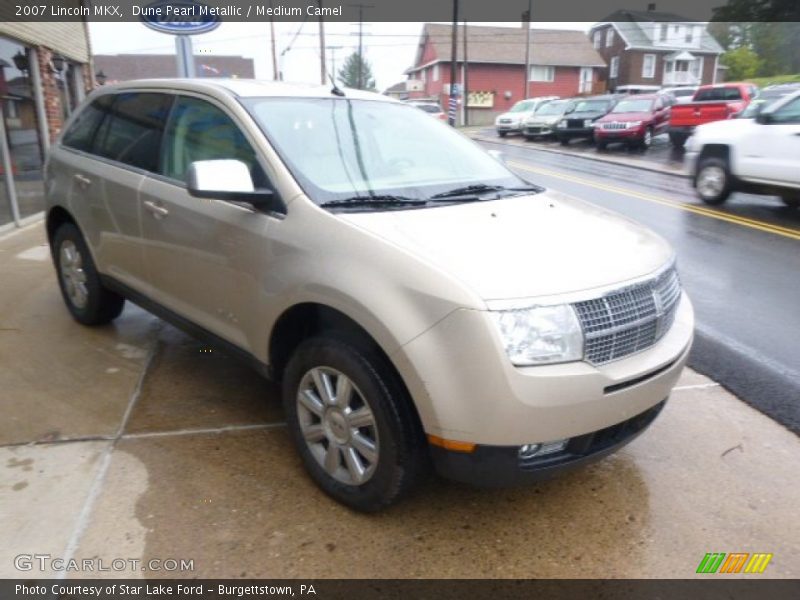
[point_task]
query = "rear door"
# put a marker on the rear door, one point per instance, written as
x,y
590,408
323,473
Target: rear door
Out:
x,y
107,168
206,258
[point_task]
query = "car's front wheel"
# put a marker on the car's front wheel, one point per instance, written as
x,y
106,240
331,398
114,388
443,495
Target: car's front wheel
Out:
x,y
87,300
352,423
713,180
678,140
502,133
647,139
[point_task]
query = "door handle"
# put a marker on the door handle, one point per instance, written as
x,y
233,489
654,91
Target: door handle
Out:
x,y
158,211
83,180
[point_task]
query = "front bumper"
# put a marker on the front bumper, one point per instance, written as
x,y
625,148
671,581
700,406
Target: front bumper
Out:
x,y
572,133
621,135
683,130
501,466
508,127
534,130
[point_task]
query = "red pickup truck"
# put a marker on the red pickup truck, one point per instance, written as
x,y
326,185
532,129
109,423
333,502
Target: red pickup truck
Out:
x,y
709,103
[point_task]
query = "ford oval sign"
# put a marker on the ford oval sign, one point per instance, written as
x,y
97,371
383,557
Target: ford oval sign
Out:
x,y
178,17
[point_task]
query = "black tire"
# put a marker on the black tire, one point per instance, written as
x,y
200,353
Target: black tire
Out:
x,y
792,200
100,305
402,456
602,145
647,139
716,191
678,140
563,141
502,133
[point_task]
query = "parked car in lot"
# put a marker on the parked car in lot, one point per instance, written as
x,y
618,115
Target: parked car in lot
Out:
x,y
710,103
432,108
633,121
680,95
759,155
417,300
765,97
543,121
511,122
579,123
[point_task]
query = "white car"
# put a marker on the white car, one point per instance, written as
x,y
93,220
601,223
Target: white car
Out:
x,y
680,95
543,121
432,108
511,122
759,155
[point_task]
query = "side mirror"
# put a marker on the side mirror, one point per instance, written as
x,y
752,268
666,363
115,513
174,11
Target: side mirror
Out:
x,y
764,118
230,180
498,155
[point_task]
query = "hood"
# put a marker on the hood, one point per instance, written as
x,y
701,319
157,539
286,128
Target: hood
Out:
x,y
517,116
626,117
544,120
523,247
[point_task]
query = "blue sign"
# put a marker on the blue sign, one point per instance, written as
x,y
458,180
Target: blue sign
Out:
x,y
178,17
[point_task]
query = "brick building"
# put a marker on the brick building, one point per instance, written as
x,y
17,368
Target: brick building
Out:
x,y
45,71
655,48
563,63
124,67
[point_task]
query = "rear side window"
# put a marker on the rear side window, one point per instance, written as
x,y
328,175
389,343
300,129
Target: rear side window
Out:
x,y
80,134
199,130
131,134
717,94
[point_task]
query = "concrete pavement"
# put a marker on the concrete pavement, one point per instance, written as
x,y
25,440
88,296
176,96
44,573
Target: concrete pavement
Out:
x,y
134,441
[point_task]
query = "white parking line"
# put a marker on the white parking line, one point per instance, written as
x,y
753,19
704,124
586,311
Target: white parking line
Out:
x,y
40,253
697,386
202,431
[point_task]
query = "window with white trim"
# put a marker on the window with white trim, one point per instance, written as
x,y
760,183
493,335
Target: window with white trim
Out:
x,y
613,68
664,32
597,38
649,66
436,72
609,37
422,76
541,73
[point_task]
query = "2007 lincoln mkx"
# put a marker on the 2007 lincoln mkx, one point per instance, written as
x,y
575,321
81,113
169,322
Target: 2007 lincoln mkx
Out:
x,y
420,303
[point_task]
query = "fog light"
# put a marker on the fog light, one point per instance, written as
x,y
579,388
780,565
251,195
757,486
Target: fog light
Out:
x,y
527,451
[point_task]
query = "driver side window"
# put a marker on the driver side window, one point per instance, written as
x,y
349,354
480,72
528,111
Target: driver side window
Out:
x,y
198,130
789,114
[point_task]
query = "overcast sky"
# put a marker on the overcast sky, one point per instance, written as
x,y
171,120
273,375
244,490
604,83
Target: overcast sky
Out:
x,y
390,47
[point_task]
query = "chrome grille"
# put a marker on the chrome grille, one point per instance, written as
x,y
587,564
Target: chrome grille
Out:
x,y
575,123
614,125
629,320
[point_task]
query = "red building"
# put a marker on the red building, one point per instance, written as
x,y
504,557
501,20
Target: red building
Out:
x,y
563,63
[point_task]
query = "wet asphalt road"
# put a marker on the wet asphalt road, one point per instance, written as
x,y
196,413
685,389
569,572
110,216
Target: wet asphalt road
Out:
x,y
739,263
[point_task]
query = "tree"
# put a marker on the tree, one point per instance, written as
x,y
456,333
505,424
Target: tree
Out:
x,y
742,63
349,73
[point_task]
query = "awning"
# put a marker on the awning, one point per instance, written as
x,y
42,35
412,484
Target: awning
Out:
x,y
683,55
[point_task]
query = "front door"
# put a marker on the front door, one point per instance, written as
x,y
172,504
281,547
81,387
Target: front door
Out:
x,y
585,84
205,258
770,151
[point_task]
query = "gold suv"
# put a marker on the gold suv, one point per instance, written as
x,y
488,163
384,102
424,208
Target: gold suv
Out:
x,y
420,303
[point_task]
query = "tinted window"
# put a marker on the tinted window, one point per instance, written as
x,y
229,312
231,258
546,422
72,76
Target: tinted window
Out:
x,y
200,131
718,94
81,133
790,113
131,133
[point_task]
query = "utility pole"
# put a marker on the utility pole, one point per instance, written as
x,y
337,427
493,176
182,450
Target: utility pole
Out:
x,y
464,70
526,19
323,75
451,112
333,50
361,6
275,74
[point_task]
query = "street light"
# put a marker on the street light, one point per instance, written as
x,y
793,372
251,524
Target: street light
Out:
x,y
20,61
57,62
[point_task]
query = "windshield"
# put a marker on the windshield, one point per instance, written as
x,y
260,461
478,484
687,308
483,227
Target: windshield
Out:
x,y
683,93
338,148
522,106
632,106
760,103
592,106
552,108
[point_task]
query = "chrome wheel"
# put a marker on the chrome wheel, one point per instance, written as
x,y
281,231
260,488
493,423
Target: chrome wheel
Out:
x,y
338,425
73,275
647,139
711,181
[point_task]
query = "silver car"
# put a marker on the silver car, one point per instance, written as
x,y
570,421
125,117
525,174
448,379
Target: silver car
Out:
x,y
418,301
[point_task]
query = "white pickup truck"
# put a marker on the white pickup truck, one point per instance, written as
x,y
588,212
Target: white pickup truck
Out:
x,y
758,155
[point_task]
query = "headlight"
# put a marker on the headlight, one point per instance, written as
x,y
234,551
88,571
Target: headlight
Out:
x,y
588,123
634,124
540,335
562,124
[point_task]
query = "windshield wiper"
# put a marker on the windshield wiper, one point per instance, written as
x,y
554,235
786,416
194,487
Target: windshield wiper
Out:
x,y
376,200
471,192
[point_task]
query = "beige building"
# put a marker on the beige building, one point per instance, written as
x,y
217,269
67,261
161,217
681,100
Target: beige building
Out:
x,y
45,71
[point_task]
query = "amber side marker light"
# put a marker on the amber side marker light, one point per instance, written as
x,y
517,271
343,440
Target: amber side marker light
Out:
x,y
451,444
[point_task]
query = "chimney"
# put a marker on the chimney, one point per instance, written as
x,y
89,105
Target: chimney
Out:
x,y
651,7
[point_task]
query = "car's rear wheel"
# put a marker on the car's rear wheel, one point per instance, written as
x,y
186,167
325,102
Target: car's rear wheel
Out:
x,y
792,200
678,140
713,180
87,300
352,423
